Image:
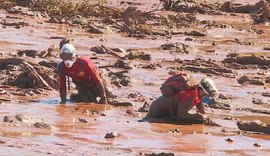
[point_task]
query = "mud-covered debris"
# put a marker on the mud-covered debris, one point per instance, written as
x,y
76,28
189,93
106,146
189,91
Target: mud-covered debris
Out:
x,y
175,131
190,6
254,110
138,55
229,139
120,103
220,105
260,11
160,154
266,94
248,59
98,50
106,50
119,79
260,102
195,33
14,24
21,10
132,112
111,135
9,119
257,145
178,47
98,29
254,126
228,118
248,79
225,97
42,125
83,120
209,122
121,64
144,108
30,53
151,66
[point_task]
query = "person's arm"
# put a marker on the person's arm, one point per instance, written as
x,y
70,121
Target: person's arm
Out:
x,y
200,107
93,72
103,98
62,88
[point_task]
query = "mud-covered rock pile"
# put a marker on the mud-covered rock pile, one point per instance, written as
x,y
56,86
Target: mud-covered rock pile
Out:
x,y
28,75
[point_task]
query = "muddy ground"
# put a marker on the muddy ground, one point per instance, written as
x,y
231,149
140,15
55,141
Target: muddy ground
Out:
x,y
138,44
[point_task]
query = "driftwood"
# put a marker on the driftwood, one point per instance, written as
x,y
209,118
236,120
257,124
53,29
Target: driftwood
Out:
x,y
42,83
111,52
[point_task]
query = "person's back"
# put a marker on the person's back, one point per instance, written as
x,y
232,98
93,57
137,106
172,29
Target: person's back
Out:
x,y
179,105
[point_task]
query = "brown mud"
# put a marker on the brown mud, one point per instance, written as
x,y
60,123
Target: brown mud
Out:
x,y
137,45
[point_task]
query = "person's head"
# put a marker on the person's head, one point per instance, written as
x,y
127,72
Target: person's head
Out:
x,y
67,54
208,86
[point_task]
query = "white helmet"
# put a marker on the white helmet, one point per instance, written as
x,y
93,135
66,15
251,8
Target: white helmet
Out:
x,y
208,86
67,51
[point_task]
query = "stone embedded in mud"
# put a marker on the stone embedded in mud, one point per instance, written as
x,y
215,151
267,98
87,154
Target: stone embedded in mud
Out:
x,y
30,53
42,125
260,102
111,135
266,94
83,120
229,139
8,119
138,55
257,145
160,154
251,80
175,131
220,105
195,33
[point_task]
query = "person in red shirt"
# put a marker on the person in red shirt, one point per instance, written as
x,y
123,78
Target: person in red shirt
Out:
x,y
177,107
83,73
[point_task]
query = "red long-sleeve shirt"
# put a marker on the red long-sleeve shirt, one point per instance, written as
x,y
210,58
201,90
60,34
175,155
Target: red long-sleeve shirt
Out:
x,y
82,70
187,95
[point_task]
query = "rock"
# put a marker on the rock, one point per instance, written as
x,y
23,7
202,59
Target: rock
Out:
x,y
220,105
83,120
30,53
121,64
111,135
254,126
120,103
175,131
259,102
160,154
195,33
8,119
251,80
229,139
151,66
42,125
266,94
97,28
138,55
257,145
179,47
98,50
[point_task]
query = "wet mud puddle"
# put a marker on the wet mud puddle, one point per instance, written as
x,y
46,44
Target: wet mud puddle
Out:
x,y
38,125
